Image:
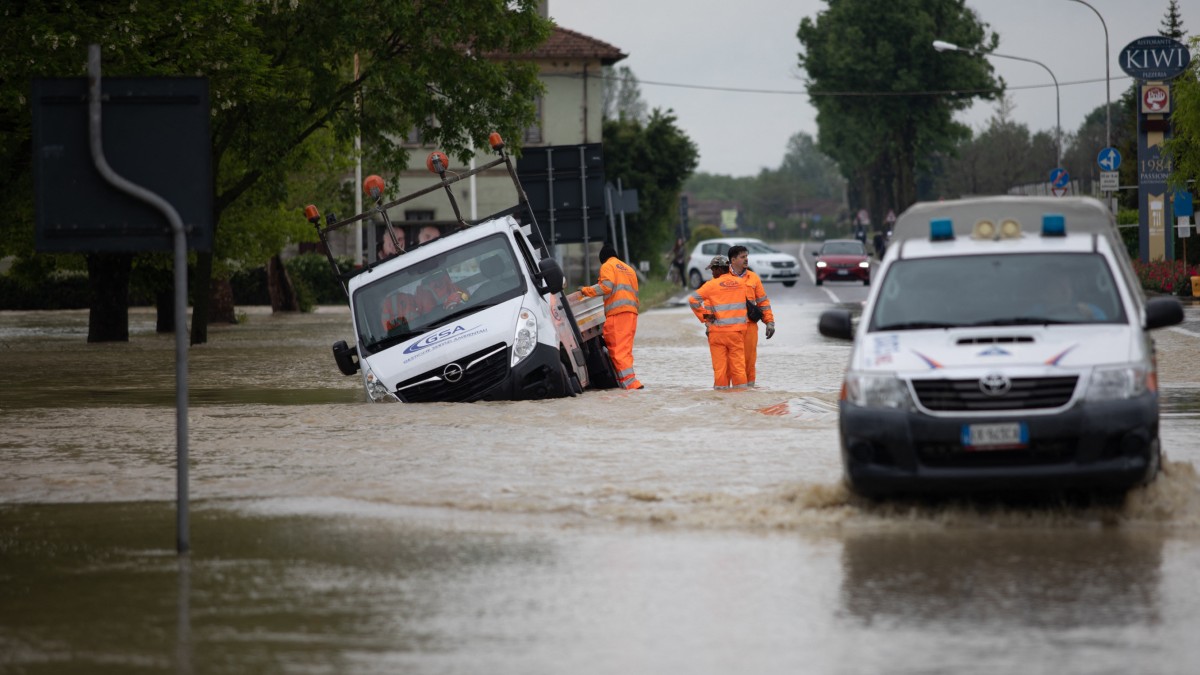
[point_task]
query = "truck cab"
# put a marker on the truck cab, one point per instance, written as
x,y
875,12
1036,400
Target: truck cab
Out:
x,y
476,314
1005,346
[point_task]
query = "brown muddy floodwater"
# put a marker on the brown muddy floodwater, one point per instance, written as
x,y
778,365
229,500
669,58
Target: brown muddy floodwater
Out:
x,y
675,529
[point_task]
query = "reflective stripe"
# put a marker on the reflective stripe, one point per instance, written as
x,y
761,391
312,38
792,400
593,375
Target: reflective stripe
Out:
x,y
729,321
622,287
739,386
622,303
720,388
625,373
760,299
730,306
607,285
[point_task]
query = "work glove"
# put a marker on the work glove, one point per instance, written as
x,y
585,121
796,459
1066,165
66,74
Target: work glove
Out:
x,y
770,329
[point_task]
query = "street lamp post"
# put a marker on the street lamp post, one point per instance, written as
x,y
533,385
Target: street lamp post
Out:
x,y
943,46
1107,78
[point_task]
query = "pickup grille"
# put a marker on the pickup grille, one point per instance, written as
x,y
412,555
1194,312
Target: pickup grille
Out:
x,y
480,372
1026,393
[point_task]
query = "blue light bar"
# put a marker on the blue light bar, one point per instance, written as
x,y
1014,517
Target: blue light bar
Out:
x,y
1054,225
941,229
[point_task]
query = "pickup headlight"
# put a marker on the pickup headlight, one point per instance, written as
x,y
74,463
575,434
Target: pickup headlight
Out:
x,y
376,390
821,263
525,338
869,390
1122,382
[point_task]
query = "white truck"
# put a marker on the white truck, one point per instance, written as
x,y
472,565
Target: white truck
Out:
x,y
476,314
1005,346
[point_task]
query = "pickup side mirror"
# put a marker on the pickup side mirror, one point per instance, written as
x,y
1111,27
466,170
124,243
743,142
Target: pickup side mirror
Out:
x,y
816,253
346,357
552,275
835,323
1163,311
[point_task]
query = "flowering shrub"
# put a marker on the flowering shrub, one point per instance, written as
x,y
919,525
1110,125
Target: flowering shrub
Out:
x,y
1166,276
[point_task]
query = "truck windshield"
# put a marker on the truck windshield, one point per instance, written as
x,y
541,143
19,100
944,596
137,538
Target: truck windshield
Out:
x,y
429,292
997,290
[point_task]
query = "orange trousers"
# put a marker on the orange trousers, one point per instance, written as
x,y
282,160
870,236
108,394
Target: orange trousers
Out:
x,y
619,330
751,346
728,351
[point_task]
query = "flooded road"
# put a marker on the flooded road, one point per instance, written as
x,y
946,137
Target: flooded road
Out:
x,y
668,530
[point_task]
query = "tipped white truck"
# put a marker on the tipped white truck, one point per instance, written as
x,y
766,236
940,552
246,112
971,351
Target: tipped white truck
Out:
x,y
968,374
477,314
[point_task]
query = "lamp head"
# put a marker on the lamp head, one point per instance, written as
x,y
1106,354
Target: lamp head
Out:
x,y
943,46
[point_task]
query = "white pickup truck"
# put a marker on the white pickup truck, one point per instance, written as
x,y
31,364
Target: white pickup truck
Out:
x,y
1005,346
476,314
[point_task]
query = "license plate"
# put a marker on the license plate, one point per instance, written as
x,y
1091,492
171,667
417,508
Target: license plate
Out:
x,y
995,436
843,271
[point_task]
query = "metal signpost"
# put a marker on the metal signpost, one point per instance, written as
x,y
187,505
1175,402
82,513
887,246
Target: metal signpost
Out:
x,y
142,181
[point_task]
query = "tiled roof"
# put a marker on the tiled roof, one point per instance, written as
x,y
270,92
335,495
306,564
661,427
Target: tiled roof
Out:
x,y
565,43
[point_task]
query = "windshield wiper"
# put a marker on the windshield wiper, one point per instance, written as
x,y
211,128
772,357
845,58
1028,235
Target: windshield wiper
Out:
x,y
392,340
454,316
1022,321
917,325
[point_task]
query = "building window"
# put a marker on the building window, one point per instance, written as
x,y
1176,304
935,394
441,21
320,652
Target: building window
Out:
x,y
533,133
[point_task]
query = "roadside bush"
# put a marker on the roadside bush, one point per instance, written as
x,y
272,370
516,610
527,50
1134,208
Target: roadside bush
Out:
x,y
1173,277
314,280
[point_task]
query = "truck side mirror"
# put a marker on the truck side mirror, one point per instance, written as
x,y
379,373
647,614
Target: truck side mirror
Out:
x,y
835,323
1163,312
552,275
346,357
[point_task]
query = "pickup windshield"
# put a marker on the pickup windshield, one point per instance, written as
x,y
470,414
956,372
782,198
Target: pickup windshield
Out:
x,y
428,293
997,290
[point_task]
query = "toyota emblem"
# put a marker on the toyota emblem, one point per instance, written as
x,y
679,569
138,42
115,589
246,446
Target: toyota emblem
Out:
x,y
995,384
453,372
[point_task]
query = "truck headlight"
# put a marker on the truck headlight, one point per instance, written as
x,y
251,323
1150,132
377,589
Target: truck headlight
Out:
x,y
869,390
821,263
525,338
1114,384
376,390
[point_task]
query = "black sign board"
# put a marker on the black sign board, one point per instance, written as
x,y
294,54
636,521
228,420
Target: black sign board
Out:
x,y
565,187
1154,58
155,133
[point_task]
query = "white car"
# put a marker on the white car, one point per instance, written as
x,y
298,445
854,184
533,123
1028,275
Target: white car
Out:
x,y
770,265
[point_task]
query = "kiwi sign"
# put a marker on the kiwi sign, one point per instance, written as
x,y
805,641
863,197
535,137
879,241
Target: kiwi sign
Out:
x,y
1154,58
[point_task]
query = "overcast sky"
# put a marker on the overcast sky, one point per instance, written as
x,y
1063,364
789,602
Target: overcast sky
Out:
x,y
751,44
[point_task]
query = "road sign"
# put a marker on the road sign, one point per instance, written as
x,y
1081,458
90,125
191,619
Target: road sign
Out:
x,y
1183,204
864,218
890,218
1059,181
1110,181
1183,226
1109,159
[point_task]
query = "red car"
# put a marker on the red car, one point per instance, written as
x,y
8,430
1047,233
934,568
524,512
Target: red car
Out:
x,y
843,260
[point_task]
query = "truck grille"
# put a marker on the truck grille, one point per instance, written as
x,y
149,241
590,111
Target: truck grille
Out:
x,y
480,372
1026,393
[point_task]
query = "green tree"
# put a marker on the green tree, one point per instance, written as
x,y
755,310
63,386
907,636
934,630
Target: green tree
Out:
x,y
279,74
622,95
1172,23
880,52
655,159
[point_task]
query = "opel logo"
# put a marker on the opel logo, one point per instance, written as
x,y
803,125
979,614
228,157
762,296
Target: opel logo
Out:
x,y
994,384
453,372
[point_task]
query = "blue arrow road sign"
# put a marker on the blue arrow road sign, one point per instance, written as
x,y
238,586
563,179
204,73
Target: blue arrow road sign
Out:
x,y
1109,159
1059,177
1183,204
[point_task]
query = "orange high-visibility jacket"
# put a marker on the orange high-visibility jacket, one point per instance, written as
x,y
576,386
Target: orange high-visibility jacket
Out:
x,y
725,297
397,309
760,294
619,286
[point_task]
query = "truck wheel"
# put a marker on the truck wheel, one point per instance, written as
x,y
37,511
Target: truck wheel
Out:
x,y
570,383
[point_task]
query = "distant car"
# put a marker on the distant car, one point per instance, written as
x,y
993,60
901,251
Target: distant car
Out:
x,y
843,260
769,264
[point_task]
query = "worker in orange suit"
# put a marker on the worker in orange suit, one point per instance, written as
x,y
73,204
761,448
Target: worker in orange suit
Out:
x,y
739,266
720,304
619,286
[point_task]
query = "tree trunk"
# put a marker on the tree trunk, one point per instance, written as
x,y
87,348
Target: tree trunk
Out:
x,y
200,297
280,288
164,302
221,310
108,316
